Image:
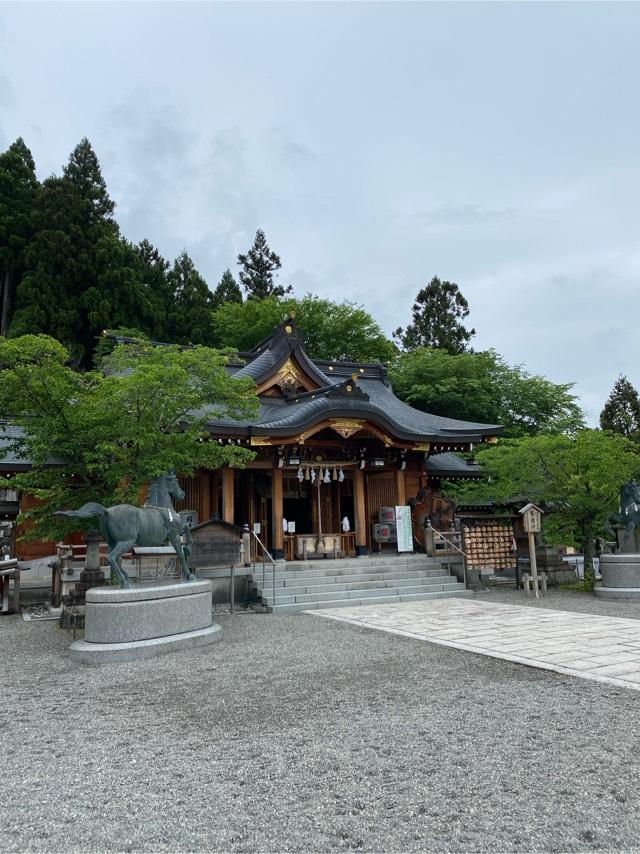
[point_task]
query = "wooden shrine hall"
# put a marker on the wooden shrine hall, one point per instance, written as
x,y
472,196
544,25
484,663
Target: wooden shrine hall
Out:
x,y
333,445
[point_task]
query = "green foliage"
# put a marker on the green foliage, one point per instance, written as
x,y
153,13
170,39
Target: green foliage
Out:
x,y
578,477
332,330
70,259
110,339
18,190
153,272
79,275
190,314
258,269
243,325
228,290
85,176
341,330
621,412
437,313
101,435
482,387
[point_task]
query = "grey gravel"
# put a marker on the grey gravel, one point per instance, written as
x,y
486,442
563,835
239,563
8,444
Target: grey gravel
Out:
x,y
568,600
302,734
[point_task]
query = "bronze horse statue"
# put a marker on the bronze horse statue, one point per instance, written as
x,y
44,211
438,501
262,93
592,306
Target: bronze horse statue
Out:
x,y
124,526
629,514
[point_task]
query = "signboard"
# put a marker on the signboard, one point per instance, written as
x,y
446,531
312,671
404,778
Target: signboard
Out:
x,y
531,518
404,530
291,527
256,527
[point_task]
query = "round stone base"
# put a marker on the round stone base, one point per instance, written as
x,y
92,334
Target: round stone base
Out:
x,y
620,570
143,621
108,653
616,592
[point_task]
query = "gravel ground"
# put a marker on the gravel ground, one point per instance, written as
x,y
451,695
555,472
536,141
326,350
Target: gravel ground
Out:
x,y
568,600
302,734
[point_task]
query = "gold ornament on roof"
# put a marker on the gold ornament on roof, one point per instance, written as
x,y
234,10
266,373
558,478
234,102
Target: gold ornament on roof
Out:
x,y
346,427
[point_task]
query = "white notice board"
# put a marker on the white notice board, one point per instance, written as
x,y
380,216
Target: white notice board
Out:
x,y
403,525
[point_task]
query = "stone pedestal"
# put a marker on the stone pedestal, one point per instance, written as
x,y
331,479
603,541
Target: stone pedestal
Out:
x,y
620,577
92,575
140,622
632,546
549,560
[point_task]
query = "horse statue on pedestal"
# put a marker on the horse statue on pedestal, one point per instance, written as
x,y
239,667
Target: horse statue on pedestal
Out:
x,y
629,514
124,526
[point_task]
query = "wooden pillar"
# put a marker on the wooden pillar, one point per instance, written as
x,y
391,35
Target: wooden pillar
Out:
x,y
360,512
277,513
401,497
227,494
205,487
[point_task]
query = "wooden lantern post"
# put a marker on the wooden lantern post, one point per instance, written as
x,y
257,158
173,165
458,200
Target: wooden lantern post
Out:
x,y
531,519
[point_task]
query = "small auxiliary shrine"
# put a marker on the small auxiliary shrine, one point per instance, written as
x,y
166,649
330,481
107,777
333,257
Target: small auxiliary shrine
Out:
x,y
333,446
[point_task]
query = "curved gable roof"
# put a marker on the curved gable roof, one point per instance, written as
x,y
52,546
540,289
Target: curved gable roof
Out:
x,y
352,390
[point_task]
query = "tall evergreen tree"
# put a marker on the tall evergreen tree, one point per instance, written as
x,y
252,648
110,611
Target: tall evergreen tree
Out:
x,y
190,318
18,190
437,312
72,258
84,174
58,266
153,270
228,290
258,268
621,412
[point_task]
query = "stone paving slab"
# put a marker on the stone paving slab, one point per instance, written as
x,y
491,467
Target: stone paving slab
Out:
x,y
604,649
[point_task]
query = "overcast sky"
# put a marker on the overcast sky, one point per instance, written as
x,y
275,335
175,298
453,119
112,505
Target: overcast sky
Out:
x,y
494,145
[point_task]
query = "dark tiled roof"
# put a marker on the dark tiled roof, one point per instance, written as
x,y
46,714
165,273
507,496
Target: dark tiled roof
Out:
x,y
265,359
10,459
371,398
450,465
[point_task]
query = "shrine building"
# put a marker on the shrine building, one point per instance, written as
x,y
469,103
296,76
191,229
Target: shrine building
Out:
x,y
332,443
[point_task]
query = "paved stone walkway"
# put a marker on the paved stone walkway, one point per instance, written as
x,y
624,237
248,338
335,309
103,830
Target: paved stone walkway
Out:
x,y
605,649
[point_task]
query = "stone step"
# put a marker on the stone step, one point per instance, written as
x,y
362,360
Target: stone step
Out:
x,y
343,567
298,607
306,579
368,560
328,589
350,595
376,584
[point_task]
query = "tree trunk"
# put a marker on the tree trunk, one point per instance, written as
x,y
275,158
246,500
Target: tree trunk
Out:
x,y
6,303
587,551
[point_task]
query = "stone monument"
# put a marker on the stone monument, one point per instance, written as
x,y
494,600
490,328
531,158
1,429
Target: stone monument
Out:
x,y
620,572
91,575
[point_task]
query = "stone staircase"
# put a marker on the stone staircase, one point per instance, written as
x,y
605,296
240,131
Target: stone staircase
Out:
x,y
372,580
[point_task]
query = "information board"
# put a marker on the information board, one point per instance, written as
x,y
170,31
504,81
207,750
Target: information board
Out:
x,y
403,526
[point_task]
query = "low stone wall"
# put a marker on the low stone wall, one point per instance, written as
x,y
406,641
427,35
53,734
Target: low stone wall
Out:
x,y
220,579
